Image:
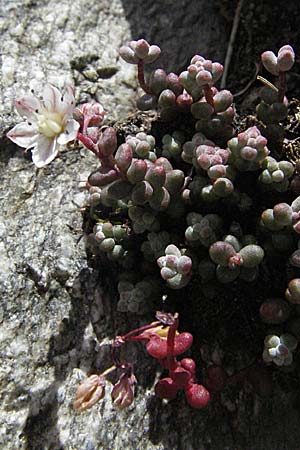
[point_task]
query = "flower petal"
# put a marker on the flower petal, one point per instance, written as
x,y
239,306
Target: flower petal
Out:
x,y
44,151
23,134
70,132
52,98
27,106
67,103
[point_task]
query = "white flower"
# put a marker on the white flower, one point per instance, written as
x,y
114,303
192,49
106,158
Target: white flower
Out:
x,y
48,124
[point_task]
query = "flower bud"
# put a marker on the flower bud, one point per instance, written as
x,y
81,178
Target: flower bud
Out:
x,y
188,364
89,114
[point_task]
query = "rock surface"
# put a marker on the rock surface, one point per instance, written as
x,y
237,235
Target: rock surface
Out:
x,y
56,315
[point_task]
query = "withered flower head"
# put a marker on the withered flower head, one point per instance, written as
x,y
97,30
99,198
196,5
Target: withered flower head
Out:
x,y
123,391
89,392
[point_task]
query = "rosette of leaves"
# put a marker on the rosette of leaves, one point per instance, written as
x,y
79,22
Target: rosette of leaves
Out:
x,y
248,150
137,180
282,217
200,72
155,245
271,111
143,146
189,147
176,267
172,145
236,258
212,160
143,219
202,230
282,62
215,117
139,50
212,189
275,175
166,94
110,239
279,349
207,156
138,297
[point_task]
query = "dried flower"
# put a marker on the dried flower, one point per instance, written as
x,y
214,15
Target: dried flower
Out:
x,y
123,391
89,392
48,123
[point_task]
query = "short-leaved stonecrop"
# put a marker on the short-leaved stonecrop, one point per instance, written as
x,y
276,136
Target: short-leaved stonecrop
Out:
x,y
48,123
138,182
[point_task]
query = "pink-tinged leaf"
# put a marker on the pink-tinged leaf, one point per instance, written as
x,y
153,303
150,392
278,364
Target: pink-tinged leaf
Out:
x,y
23,134
269,60
44,151
158,348
166,388
181,377
197,396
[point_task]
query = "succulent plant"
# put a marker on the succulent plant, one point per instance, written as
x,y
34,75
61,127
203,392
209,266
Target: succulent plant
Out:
x,y
202,229
279,349
175,267
276,175
161,202
138,297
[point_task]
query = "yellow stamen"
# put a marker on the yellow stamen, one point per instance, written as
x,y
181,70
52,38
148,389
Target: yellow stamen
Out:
x,y
50,124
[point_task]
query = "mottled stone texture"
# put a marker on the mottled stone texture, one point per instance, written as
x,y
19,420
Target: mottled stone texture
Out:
x,y
53,306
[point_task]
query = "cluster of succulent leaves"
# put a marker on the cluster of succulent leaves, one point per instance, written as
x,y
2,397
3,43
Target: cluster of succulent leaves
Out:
x,y
194,200
191,203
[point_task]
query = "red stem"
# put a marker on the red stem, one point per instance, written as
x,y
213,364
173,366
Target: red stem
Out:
x,y
88,143
171,360
282,86
141,78
130,336
209,95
